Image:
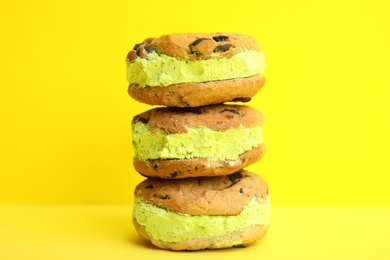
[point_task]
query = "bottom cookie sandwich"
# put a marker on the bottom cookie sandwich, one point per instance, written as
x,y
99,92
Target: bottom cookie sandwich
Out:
x,y
204,212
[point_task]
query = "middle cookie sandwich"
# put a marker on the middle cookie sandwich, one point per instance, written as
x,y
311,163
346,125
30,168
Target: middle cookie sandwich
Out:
x,y
193,142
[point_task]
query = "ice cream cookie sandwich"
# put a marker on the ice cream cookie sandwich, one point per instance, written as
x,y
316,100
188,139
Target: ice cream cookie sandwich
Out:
x,y
200,213
214,140
195,69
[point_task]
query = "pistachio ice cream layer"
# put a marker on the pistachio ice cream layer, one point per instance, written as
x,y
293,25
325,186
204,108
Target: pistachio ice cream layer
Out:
x,y
163,70
195,143
167,226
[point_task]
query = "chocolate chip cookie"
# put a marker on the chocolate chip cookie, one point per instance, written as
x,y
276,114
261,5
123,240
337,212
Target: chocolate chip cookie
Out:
x,y
199,213
171,142
195,69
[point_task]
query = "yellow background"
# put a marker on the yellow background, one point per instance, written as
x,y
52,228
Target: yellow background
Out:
x,y
65,114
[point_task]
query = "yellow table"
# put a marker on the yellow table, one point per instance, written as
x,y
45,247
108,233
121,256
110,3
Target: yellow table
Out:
x,y
106,232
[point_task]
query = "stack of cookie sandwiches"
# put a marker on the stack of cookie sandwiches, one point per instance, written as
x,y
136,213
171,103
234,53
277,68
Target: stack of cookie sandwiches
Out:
x,y
193,147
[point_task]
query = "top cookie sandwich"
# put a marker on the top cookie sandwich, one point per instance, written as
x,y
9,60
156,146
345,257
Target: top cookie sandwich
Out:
x,y
196,69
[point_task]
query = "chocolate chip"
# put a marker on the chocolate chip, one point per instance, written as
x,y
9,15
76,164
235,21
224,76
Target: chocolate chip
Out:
x,y
149,48
235,177
194,43
230,111
155,166
174,174
138,51
143,120
163,197
241,190
220,38
197,41
136,47
150,186
222,48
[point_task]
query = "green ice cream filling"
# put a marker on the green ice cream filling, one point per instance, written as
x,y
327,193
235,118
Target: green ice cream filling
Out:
x,y
164,70
196,143
167,226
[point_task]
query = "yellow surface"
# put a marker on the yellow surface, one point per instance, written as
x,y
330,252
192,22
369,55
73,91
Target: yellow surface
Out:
x,y
65,114
105,232
65,124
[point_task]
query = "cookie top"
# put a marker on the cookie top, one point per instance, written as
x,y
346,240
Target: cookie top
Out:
x,y
195,46
220,117
221,195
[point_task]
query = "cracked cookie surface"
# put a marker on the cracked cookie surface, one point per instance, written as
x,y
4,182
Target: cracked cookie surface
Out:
x,y
195,46
222,195
221,117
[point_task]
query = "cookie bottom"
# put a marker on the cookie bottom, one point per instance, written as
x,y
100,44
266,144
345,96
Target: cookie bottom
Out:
x,y
197,167
199,94
245,236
